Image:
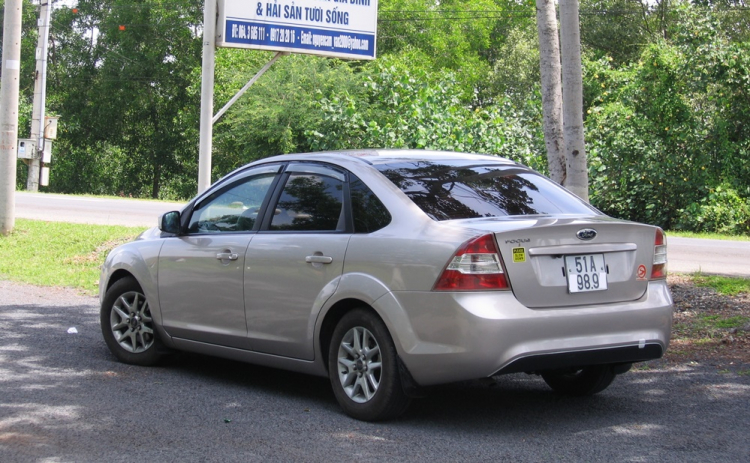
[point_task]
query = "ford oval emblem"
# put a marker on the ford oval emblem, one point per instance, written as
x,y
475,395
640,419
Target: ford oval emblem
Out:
x,y
587,234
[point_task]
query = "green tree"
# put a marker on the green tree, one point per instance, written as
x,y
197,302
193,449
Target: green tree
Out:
x,y
669,131
642,133
274,115
406,108
615,28
120,73
463,38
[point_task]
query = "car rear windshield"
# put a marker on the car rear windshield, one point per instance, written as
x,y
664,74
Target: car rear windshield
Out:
x,y
446,192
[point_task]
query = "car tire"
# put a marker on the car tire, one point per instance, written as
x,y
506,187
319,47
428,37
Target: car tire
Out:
x,y
127,326
363,368
580,382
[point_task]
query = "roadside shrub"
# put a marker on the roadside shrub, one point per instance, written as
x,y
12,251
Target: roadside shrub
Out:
x,y
647,145
405,108
722,211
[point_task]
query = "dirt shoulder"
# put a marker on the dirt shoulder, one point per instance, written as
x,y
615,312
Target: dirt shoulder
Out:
x,y
709,328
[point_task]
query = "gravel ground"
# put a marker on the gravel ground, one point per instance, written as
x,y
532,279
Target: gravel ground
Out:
x,y
708,327
65,399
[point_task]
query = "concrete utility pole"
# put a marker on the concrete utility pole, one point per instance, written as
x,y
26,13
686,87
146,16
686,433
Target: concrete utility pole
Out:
x,y
40,96
207,95
9,88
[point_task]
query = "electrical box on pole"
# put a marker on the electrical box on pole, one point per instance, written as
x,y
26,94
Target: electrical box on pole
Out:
x,y
50,127
46,152
26,148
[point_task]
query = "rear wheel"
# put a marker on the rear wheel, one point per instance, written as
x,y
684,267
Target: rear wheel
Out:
x,y
127,326
580,382
363,368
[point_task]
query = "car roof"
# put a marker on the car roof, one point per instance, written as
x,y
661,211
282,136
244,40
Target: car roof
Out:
x,y
390,156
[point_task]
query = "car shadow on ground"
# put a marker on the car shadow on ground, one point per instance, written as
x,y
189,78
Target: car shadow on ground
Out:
x,y
510,402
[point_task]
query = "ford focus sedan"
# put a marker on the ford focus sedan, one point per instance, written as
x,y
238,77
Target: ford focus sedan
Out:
x,y
391,270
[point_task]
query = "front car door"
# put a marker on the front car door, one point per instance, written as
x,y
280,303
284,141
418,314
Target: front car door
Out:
x,y
201,272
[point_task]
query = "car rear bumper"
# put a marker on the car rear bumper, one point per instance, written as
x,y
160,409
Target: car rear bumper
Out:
x,y
445,337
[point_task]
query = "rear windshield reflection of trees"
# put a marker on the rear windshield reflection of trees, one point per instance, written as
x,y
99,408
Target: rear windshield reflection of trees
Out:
x,y
446,192
449,192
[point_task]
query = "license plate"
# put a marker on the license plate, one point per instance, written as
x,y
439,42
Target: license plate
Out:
x,y
586,272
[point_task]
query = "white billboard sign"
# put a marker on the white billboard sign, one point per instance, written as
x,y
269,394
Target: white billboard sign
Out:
x,y
337,28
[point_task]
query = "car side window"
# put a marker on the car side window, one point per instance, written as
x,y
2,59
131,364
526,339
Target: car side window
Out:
x,y
233,209
368,211
310,201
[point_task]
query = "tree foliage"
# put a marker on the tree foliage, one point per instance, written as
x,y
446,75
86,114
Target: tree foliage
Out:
x,y
273,116
403,108
669,130
120,72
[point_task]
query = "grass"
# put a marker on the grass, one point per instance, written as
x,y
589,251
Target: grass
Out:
x,y
59,254
704,329
728,286
714,326
716,321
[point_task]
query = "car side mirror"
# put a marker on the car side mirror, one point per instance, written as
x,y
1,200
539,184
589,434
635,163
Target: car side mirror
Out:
x,y
169,222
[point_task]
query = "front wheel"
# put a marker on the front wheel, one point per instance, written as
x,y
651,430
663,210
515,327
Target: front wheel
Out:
x,y
582,381
127,326
363,368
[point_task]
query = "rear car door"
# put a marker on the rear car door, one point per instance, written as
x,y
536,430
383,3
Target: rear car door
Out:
x,y
293,263
201,272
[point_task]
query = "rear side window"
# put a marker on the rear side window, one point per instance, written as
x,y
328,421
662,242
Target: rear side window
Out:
x,y
446,192
368,212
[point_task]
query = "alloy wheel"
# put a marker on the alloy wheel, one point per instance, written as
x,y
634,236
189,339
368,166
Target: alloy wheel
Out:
x,y
359,364
130,319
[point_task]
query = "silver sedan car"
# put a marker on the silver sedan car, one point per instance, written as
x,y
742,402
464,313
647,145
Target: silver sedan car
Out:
x,y
391,270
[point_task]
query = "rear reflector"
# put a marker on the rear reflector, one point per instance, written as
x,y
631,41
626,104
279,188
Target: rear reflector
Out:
x,y
659,268
476,266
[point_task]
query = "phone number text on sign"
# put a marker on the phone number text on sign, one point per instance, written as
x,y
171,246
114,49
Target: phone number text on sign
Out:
x,y
339,28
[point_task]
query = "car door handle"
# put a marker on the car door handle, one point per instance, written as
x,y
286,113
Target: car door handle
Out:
x,y
318,259
227,256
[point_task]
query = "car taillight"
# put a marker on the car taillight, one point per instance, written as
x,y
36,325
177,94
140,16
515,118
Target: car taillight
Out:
x,y
659,268
476,266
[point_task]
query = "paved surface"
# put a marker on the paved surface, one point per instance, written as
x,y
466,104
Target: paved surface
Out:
x,y
64,398
79,209
688,255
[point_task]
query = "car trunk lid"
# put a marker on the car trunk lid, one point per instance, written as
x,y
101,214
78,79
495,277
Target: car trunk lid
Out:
x,y
560,262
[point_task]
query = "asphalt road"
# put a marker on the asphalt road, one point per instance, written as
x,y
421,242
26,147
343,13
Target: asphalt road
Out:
x,y
79,209
64,398
686,255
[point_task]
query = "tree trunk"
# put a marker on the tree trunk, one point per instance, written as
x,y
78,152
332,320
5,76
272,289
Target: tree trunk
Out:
x,y
577,178
549,64
156,180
